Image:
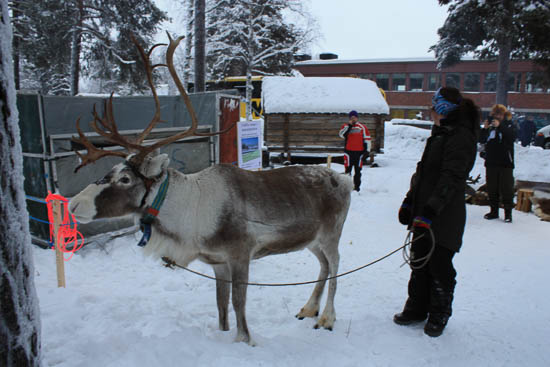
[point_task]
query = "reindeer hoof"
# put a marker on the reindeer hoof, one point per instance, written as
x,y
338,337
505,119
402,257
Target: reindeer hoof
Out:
x,y
307,312
316,326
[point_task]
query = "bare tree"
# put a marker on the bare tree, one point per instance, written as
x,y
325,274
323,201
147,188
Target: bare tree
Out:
x,y
19,314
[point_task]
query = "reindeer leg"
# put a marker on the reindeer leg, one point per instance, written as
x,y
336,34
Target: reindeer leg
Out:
x,y
222,294
329,315
311,308
239,276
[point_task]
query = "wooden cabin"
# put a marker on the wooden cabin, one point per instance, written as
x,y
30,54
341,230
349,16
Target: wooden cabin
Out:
x,y
305,114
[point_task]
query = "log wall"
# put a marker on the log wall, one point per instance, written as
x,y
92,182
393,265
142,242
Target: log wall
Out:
x,y
316,132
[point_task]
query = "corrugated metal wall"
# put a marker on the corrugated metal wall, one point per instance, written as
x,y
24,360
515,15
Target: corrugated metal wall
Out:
x,y
48,122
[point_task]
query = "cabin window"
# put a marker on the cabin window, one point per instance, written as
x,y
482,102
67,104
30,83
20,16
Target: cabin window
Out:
x,y
416,82
472,82
383,81
452,80
434,81
399,82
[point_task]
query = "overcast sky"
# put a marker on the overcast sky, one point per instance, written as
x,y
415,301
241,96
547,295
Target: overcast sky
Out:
x,y
368,29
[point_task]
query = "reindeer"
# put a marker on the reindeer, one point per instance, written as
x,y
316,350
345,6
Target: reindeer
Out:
x,y
224,216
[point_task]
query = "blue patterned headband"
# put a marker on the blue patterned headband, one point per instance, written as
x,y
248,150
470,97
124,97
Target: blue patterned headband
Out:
x,y
441,105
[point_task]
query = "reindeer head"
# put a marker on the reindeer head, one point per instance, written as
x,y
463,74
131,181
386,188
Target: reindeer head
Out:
x,y
125,189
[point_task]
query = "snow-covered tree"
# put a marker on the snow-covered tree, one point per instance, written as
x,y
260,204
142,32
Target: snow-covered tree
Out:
x,y
247,37
19,313
62,39
495,29
200,45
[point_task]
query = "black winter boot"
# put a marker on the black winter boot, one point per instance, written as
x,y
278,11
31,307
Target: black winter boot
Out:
x,y
508,215
440,308
410,314
416,307
493,214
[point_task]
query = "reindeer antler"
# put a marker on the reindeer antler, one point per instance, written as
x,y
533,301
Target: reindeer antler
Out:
x,y
107,128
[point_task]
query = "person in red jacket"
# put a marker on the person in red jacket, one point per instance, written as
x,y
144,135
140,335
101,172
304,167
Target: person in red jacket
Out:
x,y
357,146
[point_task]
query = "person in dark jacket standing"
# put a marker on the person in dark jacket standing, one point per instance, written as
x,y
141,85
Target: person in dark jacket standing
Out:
x,y
357,146
527,131
499,135
435,209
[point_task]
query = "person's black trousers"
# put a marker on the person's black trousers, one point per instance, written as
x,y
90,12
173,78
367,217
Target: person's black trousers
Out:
x,y
500,186
438,271
354,159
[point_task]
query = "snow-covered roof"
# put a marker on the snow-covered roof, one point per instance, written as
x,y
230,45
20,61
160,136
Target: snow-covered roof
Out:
x,y
321,95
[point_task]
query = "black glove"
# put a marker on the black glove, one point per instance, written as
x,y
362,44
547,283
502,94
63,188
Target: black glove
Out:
x,y
405,213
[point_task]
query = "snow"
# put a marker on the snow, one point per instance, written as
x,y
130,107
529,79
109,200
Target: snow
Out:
x,y
321,95
126,310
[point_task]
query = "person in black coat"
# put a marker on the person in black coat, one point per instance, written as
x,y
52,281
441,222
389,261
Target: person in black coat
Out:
x,y
435,206
527,131
498,135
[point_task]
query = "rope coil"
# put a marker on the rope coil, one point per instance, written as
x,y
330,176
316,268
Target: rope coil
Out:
x,y
67,232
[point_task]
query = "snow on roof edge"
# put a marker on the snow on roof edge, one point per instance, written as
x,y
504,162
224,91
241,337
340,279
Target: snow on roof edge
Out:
x,y
321,95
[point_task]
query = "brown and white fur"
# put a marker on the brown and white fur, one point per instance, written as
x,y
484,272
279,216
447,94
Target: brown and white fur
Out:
x,y
226,216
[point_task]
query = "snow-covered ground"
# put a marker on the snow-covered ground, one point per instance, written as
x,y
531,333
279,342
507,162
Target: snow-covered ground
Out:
x,y
123,309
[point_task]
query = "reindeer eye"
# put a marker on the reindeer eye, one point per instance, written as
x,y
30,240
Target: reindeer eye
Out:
x,y
124,180
103,181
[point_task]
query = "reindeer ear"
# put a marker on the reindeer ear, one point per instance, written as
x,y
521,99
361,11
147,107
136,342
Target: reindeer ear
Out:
x,y
153,166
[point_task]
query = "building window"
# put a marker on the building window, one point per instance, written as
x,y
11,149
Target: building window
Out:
x,y
366,76
399,82
452,80
416,82
434,81
383,81
514,81
472,82
397,114
490,82
534,83
415,114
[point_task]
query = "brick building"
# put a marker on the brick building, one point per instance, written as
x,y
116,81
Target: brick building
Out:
x,y
409,83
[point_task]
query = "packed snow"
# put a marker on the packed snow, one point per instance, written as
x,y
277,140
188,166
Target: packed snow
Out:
x,y
282,94
126,310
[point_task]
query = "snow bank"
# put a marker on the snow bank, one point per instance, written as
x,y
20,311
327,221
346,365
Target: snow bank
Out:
x,y
321,95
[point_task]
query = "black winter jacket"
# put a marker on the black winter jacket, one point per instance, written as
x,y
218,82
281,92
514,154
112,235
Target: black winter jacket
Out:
x,y
499,145
438,185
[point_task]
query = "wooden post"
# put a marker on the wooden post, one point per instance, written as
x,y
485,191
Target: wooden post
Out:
x,y
329,160
59,260
524,200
